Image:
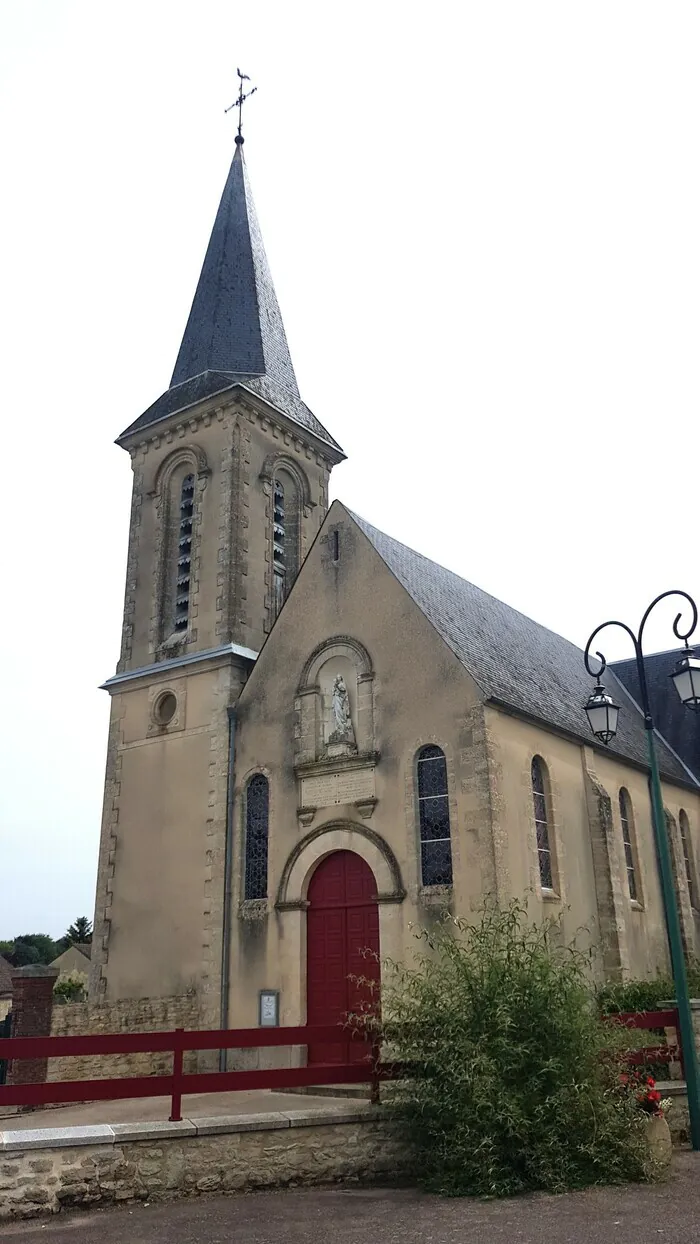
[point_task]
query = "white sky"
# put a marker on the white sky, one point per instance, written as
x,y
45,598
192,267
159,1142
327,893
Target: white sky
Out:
x,y
482,222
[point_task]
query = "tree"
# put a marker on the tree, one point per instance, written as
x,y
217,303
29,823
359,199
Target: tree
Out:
x,y
30,948
23,954
81,931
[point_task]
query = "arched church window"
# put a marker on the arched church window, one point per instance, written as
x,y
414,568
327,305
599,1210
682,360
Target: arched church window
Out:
x,y
257,807
434,816
627,822
184,554
540,799
684,827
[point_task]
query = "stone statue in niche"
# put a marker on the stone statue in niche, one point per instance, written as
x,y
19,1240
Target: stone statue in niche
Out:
x,y
342,735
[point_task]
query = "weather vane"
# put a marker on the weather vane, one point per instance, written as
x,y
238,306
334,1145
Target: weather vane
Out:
x,y
238,103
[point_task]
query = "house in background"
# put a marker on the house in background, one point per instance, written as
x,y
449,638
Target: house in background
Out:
x,y
5,988
75,959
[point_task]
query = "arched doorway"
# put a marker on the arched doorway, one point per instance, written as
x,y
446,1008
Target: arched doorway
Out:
x,y
342,924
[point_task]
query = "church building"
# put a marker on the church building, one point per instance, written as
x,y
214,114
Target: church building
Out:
x,y
320,739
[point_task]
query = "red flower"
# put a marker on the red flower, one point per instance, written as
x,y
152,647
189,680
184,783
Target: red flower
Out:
x,y
651,1081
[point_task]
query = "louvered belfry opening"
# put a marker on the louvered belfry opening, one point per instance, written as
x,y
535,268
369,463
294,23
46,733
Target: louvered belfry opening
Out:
x,y
279,558
184,554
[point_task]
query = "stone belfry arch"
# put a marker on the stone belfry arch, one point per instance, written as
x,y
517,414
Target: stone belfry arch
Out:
x,y
230,486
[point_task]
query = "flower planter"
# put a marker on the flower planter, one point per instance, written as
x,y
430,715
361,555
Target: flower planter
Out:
x,y
659,1139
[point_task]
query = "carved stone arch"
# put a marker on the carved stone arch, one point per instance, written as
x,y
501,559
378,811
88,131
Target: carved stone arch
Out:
x,y
192,454
275,460
338,836
338,645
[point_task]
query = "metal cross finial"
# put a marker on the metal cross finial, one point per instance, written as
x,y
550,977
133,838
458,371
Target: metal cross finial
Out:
x,y
242,96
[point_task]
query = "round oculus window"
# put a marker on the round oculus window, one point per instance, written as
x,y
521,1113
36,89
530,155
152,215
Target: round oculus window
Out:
x,y
165,708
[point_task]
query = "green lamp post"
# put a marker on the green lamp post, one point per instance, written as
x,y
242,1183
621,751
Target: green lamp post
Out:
x,y
602,715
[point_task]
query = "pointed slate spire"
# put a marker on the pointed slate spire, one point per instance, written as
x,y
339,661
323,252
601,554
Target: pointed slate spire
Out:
x,y
235,323
234,334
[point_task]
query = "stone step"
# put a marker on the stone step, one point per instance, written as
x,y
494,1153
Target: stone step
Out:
x,y
356,1091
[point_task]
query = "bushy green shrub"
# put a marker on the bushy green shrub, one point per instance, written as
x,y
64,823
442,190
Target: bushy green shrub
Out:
x,y
514,1080
71,988
648,994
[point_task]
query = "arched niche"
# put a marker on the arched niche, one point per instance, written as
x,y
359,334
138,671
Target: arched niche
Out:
x,y
339,655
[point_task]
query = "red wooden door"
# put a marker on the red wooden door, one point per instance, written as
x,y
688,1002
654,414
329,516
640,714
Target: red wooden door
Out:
x,y
342,925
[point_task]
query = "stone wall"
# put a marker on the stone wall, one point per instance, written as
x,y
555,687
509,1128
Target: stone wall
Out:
x,y
130,1015
41,1172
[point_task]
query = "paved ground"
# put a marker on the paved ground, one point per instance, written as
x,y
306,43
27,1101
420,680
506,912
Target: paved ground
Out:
x,y
663,1214
146,1109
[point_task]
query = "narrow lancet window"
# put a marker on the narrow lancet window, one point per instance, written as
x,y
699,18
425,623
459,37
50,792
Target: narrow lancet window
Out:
x,y
257,811
434,815
684,826
539,797
279,557
627,831
184,554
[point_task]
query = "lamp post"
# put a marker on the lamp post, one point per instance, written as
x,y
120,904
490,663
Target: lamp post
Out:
x,y
602,715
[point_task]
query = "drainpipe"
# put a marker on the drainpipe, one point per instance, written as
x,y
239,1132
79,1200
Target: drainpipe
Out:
x,y
228,882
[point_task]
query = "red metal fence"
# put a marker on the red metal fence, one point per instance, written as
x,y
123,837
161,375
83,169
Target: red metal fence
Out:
x,y
367,1070
670,1052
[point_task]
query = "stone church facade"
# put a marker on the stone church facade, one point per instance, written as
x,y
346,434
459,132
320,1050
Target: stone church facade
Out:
x,y
320,739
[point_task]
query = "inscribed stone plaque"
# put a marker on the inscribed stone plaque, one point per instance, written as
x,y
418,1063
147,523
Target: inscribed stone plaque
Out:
x,y
334,788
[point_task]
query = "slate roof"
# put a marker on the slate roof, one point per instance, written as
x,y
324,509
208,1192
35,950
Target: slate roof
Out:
x,y
5,977
234,333
514,661
677,724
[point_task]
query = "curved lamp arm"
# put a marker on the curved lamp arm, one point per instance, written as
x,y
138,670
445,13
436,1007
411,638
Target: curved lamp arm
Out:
x,y
603,663
684,636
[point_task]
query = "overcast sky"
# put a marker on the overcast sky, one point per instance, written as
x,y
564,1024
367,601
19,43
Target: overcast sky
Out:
x,y
482,222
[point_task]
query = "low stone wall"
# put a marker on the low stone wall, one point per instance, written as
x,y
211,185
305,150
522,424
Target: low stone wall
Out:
x,y
74,1019
43,1171
678,1117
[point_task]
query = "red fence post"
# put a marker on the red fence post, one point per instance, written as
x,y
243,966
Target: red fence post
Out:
x,y
176,1103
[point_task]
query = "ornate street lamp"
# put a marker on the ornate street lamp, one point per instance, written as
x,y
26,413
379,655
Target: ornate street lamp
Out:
x,y
686,678
602,715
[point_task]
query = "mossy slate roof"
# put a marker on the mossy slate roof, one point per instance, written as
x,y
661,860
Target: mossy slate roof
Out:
x,y
515,662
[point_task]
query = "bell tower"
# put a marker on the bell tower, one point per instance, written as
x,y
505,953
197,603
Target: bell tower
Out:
x,y
230,486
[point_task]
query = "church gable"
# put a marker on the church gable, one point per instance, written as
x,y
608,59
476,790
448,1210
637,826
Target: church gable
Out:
x,y
356,711
346,608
